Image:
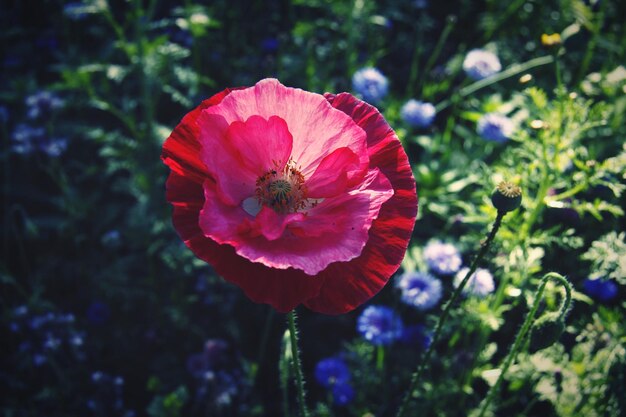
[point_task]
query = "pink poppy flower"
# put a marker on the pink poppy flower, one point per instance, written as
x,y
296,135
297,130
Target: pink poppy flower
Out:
x,y
295,197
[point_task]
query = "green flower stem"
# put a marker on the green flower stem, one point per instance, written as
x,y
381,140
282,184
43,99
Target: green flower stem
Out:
x,y
263,345
591,45
450,22
351,54
297,365
414,69
446,312
503,18
519,339
284,371
380,358
581,186
512,71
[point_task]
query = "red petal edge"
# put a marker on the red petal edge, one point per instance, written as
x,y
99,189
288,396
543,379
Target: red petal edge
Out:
x,y
342,286
350,284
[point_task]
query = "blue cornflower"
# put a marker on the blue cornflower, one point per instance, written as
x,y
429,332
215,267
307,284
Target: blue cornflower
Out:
x,y
480,282
20,311
371,84
78,10
53,146
111,239
269,45
98,312
495,127
379,325
600,289
418,113
75,10
331,371
181,36
343,394
28,139
76,339
417,335
4,114
39,359
420,289
442,258
479,64
42,103
51,342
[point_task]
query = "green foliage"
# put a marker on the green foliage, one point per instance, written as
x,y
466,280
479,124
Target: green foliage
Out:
x,y
92,225
608,257
169,405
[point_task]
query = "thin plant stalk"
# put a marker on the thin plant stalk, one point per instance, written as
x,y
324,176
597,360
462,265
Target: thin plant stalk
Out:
x,y
521,335
380,358
446,312
297,365
264,341
450,22
284,371
512,71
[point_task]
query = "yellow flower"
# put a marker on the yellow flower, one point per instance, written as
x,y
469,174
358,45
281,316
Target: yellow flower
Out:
x,y
551,41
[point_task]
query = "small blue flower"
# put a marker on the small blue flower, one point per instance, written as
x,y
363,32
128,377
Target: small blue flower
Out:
x,y
181,36
42,103
76,339
420,290
39,359
379,325
4,114
111,239
269,45
97,376
343,394
38,322
98,313
51,342
75,10
54,146
78,10
417,335
480,282
47,42
600,289
418,113
442,258
331,371
29,139
20,311
495,127
479,64
371,84
198,365
26,138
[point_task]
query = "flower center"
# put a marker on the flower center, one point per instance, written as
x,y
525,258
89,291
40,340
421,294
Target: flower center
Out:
x,y
509,189
282,189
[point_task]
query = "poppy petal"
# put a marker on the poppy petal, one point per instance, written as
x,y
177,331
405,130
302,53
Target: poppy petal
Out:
x,y
389,235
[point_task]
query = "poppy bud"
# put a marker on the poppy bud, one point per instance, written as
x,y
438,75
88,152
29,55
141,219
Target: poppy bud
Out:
x,y
546,331
506,197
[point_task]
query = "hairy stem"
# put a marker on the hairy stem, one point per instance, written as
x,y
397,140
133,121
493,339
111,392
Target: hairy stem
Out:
x,y
297,365
563,309
446,312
